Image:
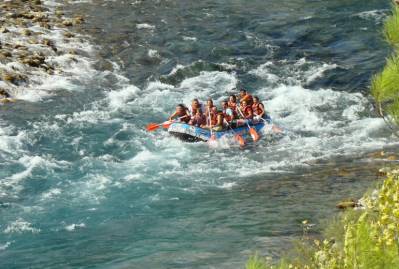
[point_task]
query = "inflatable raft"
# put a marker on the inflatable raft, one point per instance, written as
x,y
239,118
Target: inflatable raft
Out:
x,y
191,133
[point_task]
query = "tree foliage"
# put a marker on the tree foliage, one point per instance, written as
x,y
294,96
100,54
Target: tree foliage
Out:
x,y
385,85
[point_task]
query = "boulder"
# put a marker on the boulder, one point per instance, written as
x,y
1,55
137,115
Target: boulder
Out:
x,y
346,204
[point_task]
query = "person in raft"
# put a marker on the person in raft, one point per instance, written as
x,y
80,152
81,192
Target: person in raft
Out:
x,y
195,106
181,114
259,109
245,96
217,123
198,119
246,114
250,110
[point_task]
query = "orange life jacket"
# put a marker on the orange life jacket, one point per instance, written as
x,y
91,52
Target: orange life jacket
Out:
x,y
247,98
257,109
247,111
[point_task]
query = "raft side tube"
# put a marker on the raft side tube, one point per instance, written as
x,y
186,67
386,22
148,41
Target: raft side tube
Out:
x,y
192,133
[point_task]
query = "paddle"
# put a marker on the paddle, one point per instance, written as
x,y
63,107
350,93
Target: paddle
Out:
x,y
213,136
153,126
237,136
252,131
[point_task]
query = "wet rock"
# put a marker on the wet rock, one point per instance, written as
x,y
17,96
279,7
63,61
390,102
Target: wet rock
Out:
x,y
384,171
346,204
78,20
5,54
28,16
34,60
44,25
8,77
4,30
344,172
67,23
13,78
26,32
68,34
377,155
59,13
4,93
33,41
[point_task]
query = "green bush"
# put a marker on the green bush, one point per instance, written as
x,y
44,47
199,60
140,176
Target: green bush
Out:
x,y
385,85
366,238
391,27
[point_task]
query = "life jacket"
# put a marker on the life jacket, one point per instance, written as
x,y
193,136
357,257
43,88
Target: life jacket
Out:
x,y
257,109
233,106
247,111
247,98
213,115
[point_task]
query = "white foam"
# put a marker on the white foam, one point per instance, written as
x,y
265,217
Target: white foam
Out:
x,y
4,246
67,67
153,53
73,226
189,38
317,72
20,226
145,26
263,72
50,194
118,99
378,15
175,69
10,186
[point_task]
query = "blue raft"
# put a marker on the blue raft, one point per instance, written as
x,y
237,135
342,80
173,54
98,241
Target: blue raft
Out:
x,y
191,133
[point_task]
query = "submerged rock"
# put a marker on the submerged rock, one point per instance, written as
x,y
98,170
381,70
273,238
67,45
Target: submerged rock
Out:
x,y
347,204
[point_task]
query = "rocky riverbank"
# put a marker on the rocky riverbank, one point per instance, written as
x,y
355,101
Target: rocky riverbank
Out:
x,y
38,42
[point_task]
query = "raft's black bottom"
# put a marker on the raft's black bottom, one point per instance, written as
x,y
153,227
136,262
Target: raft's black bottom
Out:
x,y
186,137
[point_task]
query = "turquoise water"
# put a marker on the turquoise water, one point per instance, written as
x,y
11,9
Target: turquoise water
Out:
x,y
83,185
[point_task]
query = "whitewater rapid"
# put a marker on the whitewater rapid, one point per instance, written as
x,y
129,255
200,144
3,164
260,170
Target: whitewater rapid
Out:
x,y
83,181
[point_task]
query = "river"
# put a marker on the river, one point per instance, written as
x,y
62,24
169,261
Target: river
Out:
x,y
83,185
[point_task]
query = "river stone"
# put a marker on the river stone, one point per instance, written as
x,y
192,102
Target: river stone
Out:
x,y
67,23
78,20
59,13
68,34
8,77
4,30
4,93
26,32
5,53
346,204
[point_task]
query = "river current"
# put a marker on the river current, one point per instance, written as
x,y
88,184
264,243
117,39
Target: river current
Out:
x,y
84,185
